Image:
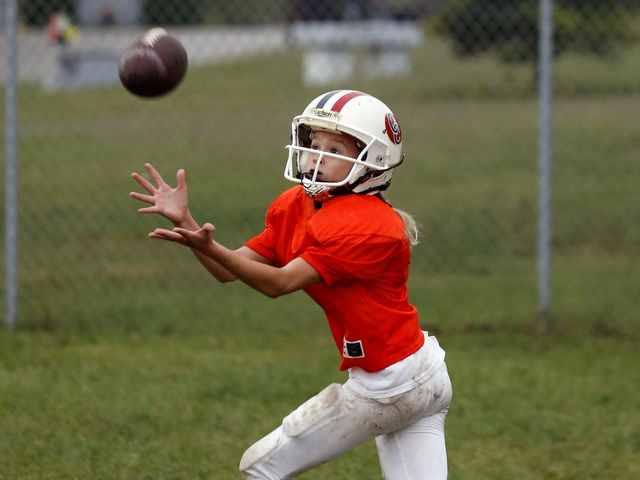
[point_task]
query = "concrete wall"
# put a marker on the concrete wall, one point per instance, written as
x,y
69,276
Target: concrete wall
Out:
x,y
39,60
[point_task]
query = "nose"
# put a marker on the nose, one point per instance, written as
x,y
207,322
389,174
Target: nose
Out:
x,y
317,158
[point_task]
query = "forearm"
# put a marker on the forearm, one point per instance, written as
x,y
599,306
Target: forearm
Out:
x,y
214,268
267,279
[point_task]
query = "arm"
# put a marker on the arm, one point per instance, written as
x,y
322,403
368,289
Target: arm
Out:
x,y
219,272
267,279
172,203
270,280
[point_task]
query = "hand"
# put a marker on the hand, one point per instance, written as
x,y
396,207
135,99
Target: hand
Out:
x,y
199,239
171,203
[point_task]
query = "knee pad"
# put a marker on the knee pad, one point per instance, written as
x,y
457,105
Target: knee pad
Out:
x,y
323,406
260,450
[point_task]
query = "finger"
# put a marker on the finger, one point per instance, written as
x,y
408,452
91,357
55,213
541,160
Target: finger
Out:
x,y
165,233
181,178
179,241
143,182
162,234
191,237
183,231
143,198
148,210
208,227
154,174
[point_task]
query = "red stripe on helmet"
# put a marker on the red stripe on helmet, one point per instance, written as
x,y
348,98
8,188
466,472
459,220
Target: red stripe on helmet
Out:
x,y
342,101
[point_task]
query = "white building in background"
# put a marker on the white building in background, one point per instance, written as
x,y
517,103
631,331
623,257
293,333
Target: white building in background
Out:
x,y
106,12
336,51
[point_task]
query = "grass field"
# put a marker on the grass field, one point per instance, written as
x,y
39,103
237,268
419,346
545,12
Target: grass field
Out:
x,y
130,363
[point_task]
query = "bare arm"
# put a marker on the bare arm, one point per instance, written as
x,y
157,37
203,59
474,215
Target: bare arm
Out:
x,y
172,203
270,280
213,267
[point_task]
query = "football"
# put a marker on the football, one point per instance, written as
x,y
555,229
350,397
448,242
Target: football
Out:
x,y
153,65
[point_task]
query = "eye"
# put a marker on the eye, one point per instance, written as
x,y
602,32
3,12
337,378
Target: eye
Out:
x,y
314,146
334,150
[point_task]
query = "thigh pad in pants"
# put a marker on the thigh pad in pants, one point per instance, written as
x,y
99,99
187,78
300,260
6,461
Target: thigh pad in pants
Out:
x,y
321,408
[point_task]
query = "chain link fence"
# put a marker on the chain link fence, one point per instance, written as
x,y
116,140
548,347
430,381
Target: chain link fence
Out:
x,y
462,75
595,41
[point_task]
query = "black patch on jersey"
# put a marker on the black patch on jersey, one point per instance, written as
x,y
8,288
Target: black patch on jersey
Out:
x,y
353,349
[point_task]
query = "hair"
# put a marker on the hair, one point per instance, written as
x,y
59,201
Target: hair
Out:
x,y
411,229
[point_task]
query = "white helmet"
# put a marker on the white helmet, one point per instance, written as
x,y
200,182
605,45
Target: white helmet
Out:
x,y
369,121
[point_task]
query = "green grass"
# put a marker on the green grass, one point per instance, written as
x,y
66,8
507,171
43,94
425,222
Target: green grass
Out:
x,y
186,407
129,362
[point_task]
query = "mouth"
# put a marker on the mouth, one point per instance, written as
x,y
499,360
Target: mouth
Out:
x,y
309,175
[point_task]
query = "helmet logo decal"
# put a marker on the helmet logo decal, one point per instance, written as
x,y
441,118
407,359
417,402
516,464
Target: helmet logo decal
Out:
x,y
318,112
392,127
342,101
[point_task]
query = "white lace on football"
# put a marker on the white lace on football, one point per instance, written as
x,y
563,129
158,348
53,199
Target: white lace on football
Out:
x,y
153,35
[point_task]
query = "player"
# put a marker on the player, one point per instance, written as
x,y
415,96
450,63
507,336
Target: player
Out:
x,y
336,237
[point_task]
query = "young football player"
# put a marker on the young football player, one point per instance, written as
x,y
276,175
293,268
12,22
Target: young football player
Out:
x,y
336,237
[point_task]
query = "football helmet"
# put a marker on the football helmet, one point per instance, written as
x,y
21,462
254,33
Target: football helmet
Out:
x,y
363,117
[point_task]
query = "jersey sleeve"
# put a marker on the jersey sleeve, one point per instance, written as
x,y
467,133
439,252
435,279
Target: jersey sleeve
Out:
x,y
264,243
345,258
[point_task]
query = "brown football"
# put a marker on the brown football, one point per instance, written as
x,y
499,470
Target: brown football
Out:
x,y
153,65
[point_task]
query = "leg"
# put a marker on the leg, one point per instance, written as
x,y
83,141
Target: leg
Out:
x,y
327,425
335,421
416,452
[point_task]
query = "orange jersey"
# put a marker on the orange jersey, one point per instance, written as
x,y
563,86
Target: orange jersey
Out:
x,y
358,246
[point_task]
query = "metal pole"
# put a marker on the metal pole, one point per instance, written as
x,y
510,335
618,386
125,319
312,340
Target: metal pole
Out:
x,y
545,161
11,167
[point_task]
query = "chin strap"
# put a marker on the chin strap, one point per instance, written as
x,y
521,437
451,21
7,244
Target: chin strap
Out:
x,y
322,195
347,189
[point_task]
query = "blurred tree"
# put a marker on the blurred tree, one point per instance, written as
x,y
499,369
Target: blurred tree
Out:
x,y
173,12
218,12
318,10
510,27
246,12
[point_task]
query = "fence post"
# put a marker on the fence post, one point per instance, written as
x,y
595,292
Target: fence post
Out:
x,y
11,167
545,66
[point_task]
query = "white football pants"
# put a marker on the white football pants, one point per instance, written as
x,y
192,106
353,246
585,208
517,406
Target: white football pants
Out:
x,y
408,430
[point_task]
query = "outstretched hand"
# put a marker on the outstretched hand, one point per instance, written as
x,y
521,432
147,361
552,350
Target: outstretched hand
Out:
x,y
171,203
198,239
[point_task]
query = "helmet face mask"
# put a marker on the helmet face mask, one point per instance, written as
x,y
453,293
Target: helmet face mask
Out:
x,y
310,170
362,117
